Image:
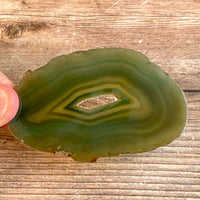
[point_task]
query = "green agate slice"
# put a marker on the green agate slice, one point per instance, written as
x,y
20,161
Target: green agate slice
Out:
x,y
97,103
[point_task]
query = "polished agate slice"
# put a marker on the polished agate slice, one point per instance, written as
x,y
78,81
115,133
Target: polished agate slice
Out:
x,y
98,103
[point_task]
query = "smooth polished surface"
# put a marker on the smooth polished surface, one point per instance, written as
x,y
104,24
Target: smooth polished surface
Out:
x,y
149,110
167,32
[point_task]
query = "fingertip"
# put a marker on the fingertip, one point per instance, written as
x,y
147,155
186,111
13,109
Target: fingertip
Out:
x,y
9,104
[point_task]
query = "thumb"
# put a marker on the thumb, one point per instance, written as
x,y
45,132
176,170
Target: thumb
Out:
x,y
9,101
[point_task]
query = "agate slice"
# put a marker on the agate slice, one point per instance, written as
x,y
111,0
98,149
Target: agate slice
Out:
x,y
98,103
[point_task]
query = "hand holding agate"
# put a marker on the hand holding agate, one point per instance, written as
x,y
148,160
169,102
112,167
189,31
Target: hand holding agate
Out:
x,y
9,101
